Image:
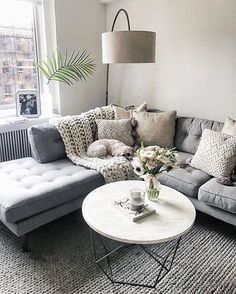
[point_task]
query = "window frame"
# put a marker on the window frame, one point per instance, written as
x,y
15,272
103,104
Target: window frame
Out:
x,y
40,50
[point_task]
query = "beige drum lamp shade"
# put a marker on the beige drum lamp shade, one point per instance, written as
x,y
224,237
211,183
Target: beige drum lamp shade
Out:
x,y
128,47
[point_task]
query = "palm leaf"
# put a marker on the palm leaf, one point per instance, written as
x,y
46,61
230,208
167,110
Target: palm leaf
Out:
x,y
46,73
68,69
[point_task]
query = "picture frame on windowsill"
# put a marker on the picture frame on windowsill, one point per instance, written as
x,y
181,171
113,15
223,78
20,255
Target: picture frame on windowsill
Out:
x,y
28,103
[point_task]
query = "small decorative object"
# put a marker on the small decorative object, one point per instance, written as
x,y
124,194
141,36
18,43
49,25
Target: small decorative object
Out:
x,y
67,69
153,186
123,205
149,162
28,103
137,198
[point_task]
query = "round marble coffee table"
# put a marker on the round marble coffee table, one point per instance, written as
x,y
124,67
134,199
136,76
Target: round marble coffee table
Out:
x,y
175,215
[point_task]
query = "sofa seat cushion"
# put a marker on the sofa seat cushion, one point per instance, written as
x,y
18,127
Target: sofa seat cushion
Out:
x,y
221,196
186,180
28,187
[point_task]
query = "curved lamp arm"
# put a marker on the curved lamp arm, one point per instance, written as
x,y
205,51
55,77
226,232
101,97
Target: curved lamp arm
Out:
x,y
127,17
112,29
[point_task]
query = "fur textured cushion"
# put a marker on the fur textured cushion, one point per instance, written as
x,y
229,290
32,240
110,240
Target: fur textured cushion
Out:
x,y
216,154
156,128
120,130
124,113
229,127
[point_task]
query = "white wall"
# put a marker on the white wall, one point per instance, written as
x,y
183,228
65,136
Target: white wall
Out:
x,y
195,71
79,24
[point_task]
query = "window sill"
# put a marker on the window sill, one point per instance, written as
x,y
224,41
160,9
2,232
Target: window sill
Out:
x,y
12,123
106,1
6,113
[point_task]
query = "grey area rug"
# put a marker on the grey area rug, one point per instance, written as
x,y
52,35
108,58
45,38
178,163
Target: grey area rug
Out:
x,y
61,261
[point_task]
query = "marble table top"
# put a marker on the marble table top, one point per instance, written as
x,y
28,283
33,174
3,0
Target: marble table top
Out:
x,y
175,215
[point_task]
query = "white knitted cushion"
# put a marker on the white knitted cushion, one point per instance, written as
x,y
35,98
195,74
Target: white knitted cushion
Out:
x,y
120,129
216,154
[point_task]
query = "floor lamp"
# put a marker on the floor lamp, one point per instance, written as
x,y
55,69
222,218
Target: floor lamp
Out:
x,y
127,47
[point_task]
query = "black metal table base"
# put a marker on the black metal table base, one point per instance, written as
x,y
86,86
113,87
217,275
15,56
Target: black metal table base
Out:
x,y
165,262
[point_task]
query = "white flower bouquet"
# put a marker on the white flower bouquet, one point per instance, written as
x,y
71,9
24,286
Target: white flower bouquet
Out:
x,y
149,162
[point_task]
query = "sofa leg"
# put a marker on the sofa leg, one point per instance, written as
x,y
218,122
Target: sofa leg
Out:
x,y
24,242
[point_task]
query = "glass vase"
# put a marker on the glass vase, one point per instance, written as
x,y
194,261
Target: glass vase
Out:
x,y
153,187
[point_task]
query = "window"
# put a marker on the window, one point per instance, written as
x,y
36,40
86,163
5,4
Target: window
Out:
x,y
18,50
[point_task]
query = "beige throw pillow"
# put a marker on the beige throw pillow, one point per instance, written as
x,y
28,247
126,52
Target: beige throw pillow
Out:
x,y
115,129
229,127
156,128
216,154
122,113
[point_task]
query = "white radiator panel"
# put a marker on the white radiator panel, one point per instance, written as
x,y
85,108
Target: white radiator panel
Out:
x,y
14,142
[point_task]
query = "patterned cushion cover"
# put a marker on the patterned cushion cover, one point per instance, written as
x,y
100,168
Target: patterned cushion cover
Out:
x,y
115,129
216,154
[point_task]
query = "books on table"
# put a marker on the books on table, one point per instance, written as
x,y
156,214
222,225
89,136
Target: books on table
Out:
x,y
123,205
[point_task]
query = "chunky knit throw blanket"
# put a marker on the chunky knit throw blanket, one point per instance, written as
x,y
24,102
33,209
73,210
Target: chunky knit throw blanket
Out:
x,y
78,132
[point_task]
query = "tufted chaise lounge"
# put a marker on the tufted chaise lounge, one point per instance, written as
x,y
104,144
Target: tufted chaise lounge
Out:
x,y
35,191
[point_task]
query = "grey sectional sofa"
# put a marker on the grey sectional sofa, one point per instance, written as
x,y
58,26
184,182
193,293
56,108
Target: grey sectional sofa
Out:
x,y
206,194
35,191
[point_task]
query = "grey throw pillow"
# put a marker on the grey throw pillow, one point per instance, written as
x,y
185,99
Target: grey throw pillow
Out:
x,y
156,128
216,154
115,129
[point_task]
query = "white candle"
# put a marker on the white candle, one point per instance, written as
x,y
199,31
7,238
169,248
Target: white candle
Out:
x,y
137,197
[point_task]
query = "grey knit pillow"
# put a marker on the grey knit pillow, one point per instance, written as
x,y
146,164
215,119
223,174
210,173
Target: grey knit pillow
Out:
x,y
120,129
216,154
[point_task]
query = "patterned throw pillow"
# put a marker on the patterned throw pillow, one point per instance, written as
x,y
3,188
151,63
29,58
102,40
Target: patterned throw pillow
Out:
x,y
115,129
216,154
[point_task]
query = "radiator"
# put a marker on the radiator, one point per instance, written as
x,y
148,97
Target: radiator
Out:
x,y
14,144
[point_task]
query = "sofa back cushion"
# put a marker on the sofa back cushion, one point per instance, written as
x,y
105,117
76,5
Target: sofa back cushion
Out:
x,y
46,143
189,131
